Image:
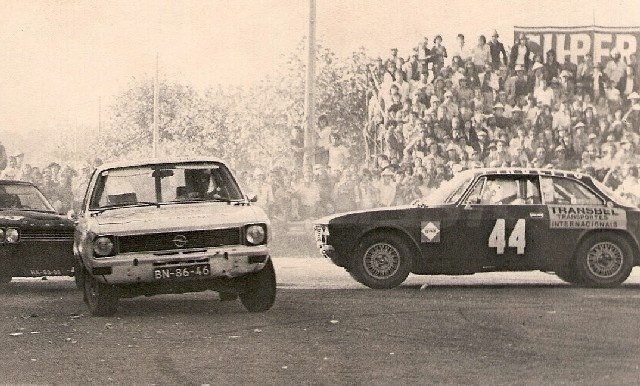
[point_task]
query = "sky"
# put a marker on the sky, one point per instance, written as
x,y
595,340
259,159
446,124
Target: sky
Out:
x,y
59,59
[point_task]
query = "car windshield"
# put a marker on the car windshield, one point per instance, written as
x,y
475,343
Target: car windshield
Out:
x,y
164,184
450,191
23,197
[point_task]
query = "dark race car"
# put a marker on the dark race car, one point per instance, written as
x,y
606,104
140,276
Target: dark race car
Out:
x,y
34,239
492,220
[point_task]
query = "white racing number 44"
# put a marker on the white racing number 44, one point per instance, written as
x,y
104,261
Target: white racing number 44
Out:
x,y
516,239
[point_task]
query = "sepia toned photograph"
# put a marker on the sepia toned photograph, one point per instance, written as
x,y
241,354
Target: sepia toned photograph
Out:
x,y
319,192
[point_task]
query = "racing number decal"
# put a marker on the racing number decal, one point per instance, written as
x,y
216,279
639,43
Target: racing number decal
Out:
x,y
516,239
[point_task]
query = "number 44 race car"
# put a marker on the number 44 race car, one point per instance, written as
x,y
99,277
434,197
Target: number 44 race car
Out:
x,y
488,220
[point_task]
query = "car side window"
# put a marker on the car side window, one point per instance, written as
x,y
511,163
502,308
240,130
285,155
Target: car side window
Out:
x,y
506,190
558,190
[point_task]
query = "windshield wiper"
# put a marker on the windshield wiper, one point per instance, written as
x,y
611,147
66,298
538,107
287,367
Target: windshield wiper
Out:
x,y
128,205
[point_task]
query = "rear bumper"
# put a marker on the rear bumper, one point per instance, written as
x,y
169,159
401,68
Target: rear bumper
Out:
x,y
224,262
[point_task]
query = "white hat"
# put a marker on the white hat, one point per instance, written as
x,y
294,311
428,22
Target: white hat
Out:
x,y
634,95
536,66
386,172
498,106
519,67
451,147
592,136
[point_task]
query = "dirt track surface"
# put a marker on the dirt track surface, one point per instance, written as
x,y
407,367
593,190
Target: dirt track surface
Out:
x,y
325,329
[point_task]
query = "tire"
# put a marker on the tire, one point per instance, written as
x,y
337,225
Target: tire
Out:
x,y
569,275
382,261
101,298
227,296
261,289
78,275
604,260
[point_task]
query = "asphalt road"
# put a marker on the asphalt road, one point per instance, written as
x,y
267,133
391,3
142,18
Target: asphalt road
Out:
x,y
325,329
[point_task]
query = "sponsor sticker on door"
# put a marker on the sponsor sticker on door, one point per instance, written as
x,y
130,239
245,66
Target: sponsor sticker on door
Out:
x,y
586,217
430,232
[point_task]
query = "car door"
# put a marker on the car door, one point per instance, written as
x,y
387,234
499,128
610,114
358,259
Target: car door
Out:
x,y
503,223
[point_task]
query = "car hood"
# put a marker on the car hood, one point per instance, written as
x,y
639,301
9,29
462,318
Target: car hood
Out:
x,y
388,212
177,217
21,217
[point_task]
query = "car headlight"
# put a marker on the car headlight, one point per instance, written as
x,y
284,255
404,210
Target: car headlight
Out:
x,y
103,246
256,234
11,235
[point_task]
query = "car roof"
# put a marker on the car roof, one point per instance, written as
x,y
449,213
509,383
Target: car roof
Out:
x,y
532,171
155,161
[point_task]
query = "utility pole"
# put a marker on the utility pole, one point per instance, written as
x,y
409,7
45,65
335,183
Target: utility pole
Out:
x,y
309,95
99,116
155,111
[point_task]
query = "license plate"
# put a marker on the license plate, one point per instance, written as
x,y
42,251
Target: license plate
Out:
x,y
182,272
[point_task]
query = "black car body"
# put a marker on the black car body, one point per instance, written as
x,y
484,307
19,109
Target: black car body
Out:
x,y
492,220
34,239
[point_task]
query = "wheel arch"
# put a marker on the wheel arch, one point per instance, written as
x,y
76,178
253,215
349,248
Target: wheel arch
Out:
x,y
400,232
627,236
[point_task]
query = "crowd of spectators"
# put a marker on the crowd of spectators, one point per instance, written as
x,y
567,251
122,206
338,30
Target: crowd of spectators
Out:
x,y
63,185
433,113
438,110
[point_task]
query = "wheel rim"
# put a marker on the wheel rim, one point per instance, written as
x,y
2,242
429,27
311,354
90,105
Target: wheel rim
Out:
x,y
382,260
605,260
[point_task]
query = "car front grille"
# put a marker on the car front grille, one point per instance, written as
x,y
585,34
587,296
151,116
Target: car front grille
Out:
x,y
179,240
46,234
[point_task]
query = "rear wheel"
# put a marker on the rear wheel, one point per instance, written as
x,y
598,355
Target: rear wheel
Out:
x,y
383,261
101,298
261,289
227,296
569,274
604,260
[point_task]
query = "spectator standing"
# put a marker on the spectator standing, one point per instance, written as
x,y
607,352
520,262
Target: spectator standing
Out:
x,y
551,66
498,53
461,49
438,53
481,54
628,84
12,171
520,53
388,188
616,67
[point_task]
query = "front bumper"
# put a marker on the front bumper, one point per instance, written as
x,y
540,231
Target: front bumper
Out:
x,y
224,262
327,250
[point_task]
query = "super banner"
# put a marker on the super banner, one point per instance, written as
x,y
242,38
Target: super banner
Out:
x,y
576,42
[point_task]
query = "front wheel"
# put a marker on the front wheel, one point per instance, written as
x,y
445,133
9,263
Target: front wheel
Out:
x,y
383,261
604,260
101,298
261,289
